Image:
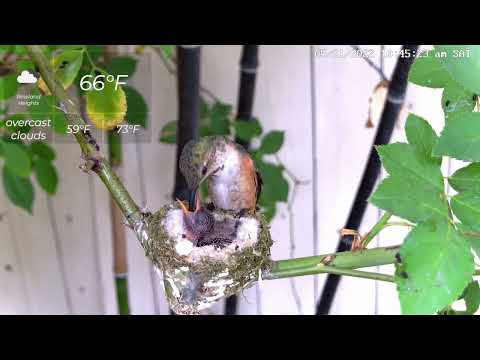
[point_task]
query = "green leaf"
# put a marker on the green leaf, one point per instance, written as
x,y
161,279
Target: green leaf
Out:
x,y
66,66
47,110
275,186
17,159
471,295
220,122
66,47
436,266
205,131
168,50
272,142
168,134
13,129
247,130
461,137
85,69
421,135
122,65
204,109
415,189
46,175
457,99
59,122
137,108
6,48
43,150
8,86
95,51
463,64
472,236
466,178
466,206
406,200
25,65
269,211
107,107
19,49
428,71
18,189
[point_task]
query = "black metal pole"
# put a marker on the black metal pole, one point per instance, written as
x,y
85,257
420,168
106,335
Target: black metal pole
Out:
x,y
393,105
188,109
246,95
246,91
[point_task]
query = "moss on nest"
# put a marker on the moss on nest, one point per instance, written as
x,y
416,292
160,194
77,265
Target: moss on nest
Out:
x,y
195,282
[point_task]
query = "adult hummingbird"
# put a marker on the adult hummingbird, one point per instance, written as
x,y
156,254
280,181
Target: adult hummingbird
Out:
x,y
233,181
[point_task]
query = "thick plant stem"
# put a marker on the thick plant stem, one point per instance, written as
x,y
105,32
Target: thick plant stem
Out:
x,y
103,169
332,263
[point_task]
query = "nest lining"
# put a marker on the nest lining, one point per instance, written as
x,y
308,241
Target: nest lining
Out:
x,y
246,235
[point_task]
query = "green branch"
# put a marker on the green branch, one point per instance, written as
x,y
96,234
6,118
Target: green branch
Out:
x,y
121,196
340,263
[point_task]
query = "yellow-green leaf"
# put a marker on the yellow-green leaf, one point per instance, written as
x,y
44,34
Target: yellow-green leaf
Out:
x,y
107,107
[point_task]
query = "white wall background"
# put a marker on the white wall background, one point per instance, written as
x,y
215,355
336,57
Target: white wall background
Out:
x,y
60,260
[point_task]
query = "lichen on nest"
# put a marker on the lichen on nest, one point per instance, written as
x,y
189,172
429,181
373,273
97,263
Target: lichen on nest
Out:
x,y
197,276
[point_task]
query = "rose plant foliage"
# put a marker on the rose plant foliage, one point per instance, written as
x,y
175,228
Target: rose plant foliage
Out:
x,y
436,263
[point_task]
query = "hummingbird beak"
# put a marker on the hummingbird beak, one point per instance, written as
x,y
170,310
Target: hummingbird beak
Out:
x,y
192,221
187,211
192,201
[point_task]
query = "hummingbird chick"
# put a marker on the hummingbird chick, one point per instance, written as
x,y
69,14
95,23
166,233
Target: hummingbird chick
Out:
x,y
202,229
233,181
197,223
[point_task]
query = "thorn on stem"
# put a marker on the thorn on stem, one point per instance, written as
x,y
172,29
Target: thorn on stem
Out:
x,y
92,163
327,260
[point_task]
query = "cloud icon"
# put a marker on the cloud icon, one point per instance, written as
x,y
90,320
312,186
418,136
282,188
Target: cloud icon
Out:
x,y
26,78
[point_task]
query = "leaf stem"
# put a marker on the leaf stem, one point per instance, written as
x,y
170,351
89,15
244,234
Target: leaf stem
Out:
x,y
399,223
379,226
92,64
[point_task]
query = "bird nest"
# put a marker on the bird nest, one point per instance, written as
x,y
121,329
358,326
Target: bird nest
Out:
x,y
197,275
